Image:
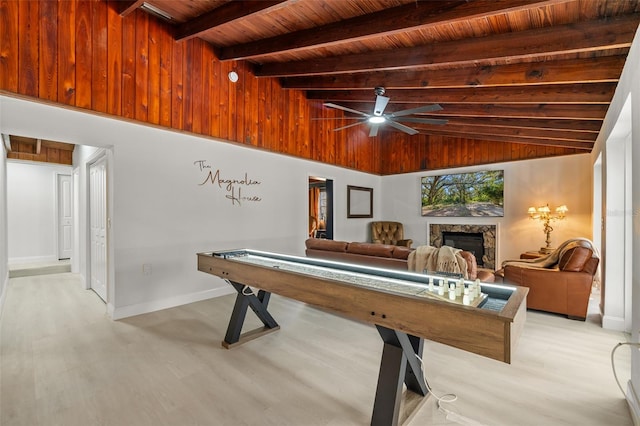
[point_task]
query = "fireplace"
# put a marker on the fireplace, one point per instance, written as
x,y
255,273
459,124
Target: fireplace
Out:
x,y
478,239
469,241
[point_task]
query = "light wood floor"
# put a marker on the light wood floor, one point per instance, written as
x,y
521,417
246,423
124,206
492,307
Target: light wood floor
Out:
x,y
63,362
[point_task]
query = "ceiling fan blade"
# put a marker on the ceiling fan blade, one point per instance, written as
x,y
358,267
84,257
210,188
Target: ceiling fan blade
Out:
x,y
381,104
336,118
402,127
425,108
422,120
348,125
374,130
336,106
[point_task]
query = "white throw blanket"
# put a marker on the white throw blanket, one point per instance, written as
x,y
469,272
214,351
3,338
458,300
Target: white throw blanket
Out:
x,y
437,259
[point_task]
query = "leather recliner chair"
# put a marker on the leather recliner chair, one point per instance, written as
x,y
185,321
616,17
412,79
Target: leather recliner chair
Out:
x,y
561,287
386,232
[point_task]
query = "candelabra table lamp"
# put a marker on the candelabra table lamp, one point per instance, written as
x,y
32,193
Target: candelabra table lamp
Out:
x,y
544,214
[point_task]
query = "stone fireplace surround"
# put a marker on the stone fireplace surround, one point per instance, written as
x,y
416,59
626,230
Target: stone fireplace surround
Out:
x,y
488,236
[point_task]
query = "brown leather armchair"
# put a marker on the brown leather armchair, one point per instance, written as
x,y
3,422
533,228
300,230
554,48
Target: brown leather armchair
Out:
x,y
386,232
560,282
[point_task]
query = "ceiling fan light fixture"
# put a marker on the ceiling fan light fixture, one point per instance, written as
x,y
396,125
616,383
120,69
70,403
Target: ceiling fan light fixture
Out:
x,y
379,118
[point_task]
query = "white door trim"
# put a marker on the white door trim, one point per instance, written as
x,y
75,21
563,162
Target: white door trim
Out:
x,y
75,257
617,259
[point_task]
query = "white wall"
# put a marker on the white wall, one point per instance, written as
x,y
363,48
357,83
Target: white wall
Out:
x,y
160,214
559,180
4,251
628,87
31,202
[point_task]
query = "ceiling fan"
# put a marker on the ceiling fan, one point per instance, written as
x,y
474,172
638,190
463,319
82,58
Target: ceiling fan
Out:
x,y
378,118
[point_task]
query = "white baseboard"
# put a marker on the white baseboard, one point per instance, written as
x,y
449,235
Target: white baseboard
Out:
x,y
613,323
144,308
3,292
84,284
634,403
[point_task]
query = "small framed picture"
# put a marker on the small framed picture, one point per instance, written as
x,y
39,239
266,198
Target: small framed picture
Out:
x,y
359,202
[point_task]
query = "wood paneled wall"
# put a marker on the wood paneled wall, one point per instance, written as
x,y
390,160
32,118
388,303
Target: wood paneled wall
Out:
x,y
81,53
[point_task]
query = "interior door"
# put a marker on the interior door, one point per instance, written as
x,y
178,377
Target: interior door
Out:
x,y
98,226
65,216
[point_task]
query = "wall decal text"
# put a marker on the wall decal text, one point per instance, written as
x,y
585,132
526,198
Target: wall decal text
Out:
x,y
232,186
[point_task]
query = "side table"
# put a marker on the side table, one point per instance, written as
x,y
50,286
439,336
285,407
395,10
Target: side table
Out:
x,y
531,255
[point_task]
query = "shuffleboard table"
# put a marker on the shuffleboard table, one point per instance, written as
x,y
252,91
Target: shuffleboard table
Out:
x,y
405,307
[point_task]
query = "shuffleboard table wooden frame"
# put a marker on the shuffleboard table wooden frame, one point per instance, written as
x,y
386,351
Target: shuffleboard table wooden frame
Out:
x,y
402,319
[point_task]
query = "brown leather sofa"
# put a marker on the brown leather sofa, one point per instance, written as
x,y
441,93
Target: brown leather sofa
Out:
x,y
563,287
380,255
386,232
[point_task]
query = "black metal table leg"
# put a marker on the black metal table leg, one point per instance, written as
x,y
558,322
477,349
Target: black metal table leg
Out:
x,y
258,304
399,365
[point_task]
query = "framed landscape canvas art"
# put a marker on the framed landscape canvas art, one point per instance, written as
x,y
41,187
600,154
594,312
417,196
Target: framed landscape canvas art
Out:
x,y
465,194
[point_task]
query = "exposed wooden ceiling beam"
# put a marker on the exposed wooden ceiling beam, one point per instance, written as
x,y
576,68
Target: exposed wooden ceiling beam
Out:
x,y
545,42
124,8
559,137
601,69
222,15
586,146
583,93
387,22
542,110
529,123
584,126
546,134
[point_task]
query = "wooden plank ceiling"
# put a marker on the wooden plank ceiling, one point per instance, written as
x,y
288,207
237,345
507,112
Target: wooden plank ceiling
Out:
x,y
519,71
23,148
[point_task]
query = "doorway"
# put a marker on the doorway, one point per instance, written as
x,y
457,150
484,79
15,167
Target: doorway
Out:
x,y
320,207
97,215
